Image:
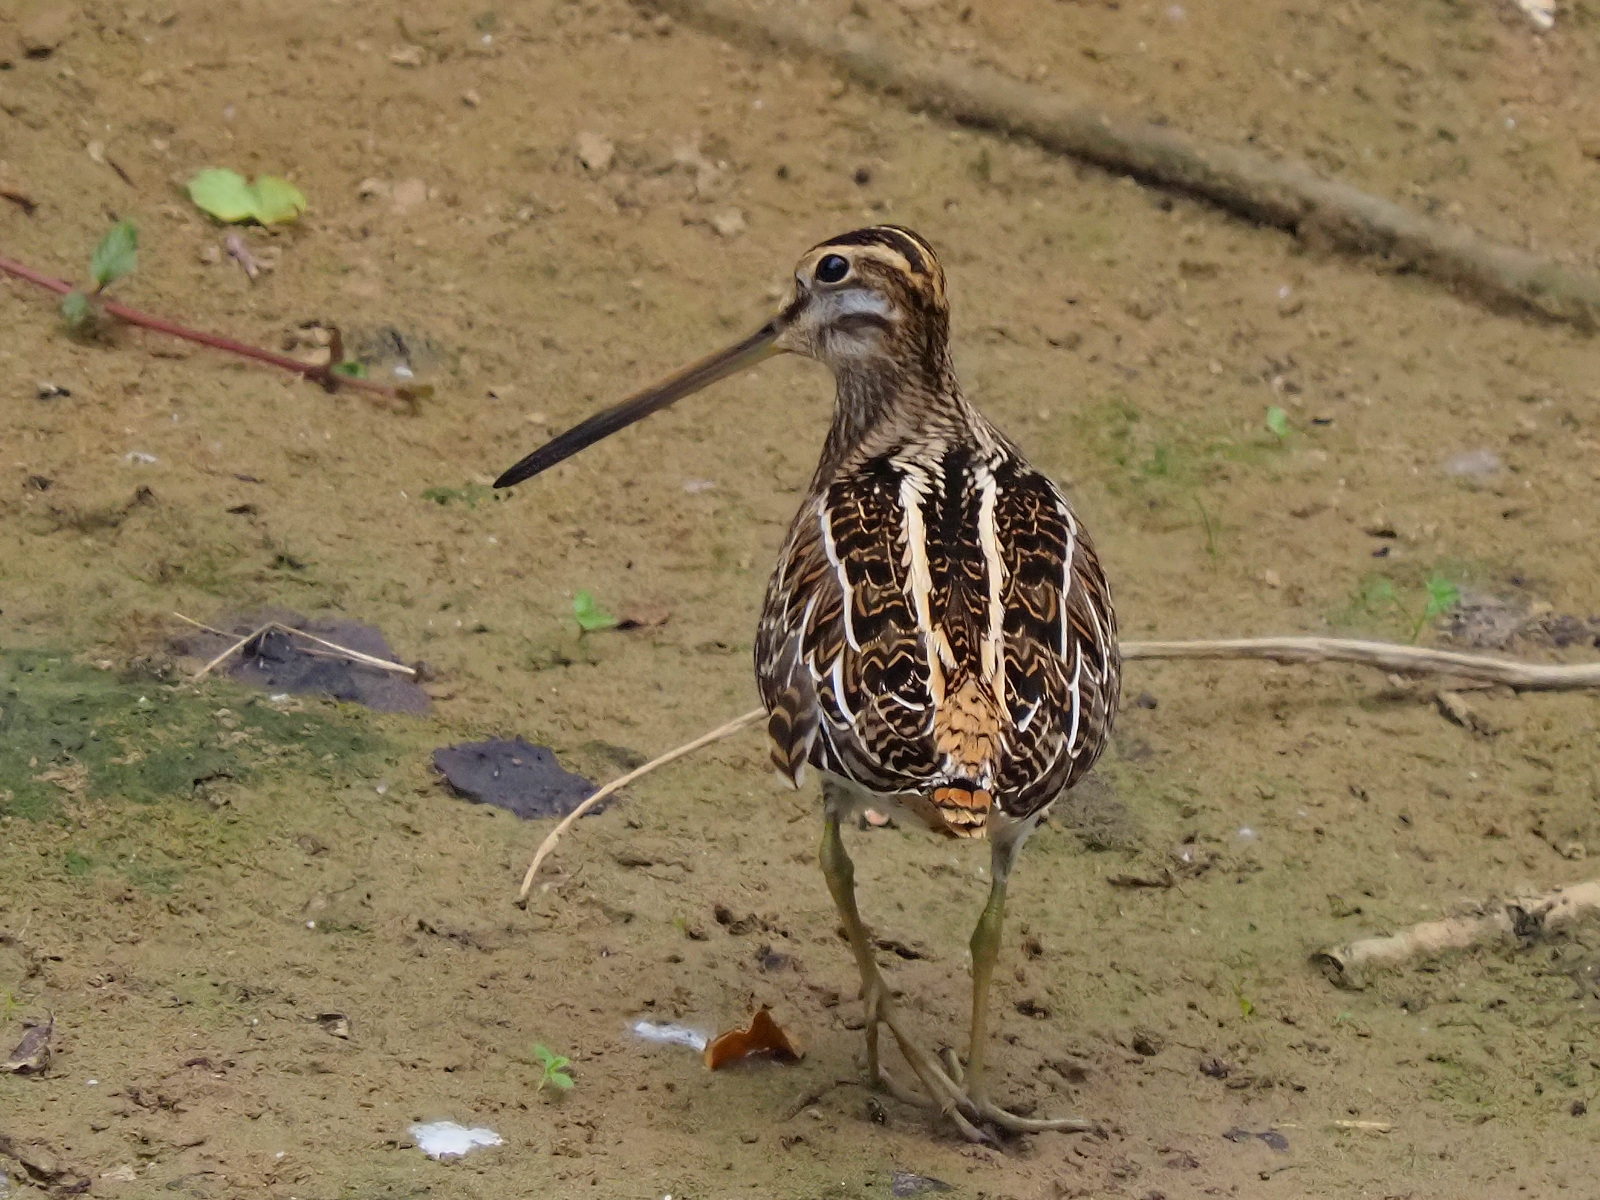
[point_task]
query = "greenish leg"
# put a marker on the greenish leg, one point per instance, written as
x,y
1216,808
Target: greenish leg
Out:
x,y
840,873
985,949
945,1094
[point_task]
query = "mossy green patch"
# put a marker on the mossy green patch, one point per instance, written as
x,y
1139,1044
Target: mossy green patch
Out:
x,y
69,729
1159,461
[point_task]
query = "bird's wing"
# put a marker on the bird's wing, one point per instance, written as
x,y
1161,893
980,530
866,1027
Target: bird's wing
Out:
x,y
1062,669
838,635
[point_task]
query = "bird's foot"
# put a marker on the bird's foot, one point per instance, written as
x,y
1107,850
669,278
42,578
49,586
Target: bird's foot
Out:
x,y
940,1093
986,1110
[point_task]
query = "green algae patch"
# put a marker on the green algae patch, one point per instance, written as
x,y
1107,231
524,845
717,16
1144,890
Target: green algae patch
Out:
x,y
70,731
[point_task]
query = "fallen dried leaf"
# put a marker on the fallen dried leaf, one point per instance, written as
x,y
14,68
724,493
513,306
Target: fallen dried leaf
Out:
x,y
763,1036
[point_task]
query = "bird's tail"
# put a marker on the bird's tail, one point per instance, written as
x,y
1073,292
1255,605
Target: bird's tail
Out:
x,y
967,732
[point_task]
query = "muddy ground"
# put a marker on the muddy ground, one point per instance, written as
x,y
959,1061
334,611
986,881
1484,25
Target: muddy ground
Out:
x,y
259,982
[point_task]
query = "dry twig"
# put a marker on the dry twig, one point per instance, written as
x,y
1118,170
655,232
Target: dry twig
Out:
x,y
383,664
1282,194
1523,918
324,373
705,739
1385,656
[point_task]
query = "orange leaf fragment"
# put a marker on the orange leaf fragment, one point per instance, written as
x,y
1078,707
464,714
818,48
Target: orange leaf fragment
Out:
x,y
764,1036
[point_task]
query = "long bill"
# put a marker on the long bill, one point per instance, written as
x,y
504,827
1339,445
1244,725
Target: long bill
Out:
x,y
759,345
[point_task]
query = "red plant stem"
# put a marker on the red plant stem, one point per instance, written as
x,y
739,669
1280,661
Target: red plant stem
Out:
x,y
325,375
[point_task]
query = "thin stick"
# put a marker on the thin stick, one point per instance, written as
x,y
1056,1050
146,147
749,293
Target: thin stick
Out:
x,y
1523,917
325,374
355,655
705,739
381,663
1385,656
231,651
1282,194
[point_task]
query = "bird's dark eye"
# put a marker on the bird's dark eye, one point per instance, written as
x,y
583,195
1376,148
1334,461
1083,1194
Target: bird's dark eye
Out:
x,y
832,268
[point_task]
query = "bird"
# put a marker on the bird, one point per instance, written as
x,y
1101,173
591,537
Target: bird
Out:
x,y
937,639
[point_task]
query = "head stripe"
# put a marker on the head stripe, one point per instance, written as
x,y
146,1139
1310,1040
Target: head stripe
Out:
x,y
908,245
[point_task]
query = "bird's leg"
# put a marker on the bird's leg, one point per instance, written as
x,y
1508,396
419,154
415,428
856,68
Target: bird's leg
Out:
x,y
985,949
943,1093
840,873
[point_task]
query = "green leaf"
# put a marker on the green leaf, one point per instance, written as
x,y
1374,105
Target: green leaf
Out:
x,y
277,200
351,368
557,1080
75,308
1442,597
116,255
228,197
1278,421
590,615
224,194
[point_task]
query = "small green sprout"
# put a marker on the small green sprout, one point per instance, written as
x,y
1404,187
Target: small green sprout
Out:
x,y
75,309
350,368
554,1066
1380,594
590,615
229,198
1442,597
116,255
1278,422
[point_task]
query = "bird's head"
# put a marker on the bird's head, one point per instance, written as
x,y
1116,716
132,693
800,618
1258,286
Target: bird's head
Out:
x,y
867,302
872,298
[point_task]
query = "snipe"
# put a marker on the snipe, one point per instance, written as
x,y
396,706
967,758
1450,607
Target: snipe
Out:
x,y
938,635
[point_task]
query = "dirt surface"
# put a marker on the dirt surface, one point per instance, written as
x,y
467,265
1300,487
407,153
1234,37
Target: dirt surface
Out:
x,y
271,939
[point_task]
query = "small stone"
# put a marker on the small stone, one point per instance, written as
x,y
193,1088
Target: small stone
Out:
x,y
471,98
44,27
595,152
662,24
407,56
370,187
728,223
1590,146
1473,464
211,255
1139,307
408,194
1271,578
